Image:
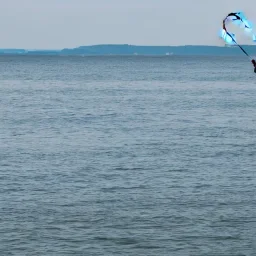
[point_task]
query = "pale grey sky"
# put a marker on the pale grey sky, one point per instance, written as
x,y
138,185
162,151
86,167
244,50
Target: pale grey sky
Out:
x,y
71,23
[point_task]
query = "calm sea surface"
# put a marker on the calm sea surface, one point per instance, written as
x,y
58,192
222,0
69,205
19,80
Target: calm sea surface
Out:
x,y
127,156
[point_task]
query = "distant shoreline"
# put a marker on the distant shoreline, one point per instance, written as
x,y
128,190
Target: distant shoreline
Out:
x,y
125,49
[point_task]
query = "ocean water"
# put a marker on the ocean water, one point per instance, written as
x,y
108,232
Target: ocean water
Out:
x,y
127,156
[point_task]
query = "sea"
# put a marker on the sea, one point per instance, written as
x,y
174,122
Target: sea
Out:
x,y
127,155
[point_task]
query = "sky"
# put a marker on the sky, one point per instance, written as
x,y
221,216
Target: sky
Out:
x,y
57,24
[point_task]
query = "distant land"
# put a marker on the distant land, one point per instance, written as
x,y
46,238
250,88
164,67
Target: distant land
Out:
x,y
125,49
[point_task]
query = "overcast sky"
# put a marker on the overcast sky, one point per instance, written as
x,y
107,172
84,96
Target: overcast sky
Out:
x,y
54,24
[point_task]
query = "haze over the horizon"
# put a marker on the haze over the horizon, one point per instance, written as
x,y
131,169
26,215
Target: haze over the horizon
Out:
x,y
56,24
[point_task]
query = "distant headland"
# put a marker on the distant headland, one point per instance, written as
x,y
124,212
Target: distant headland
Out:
x,y
126,49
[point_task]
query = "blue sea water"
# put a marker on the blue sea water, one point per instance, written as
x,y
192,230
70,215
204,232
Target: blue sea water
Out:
x,y
127,156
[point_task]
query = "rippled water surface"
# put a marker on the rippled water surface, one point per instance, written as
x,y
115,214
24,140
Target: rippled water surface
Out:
x,y
127,156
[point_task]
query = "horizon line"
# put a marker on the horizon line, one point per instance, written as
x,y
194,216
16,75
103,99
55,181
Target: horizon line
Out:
x,y
112,44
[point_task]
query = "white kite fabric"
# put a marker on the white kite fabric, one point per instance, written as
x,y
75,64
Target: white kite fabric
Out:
x,y
238,19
